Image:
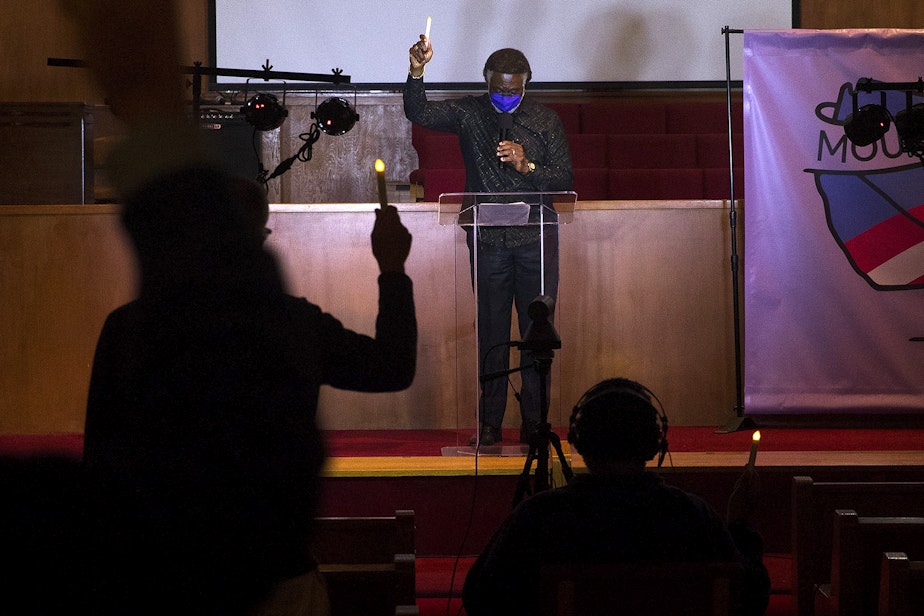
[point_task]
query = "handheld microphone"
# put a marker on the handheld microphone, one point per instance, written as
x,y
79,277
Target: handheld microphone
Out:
x,y
504,123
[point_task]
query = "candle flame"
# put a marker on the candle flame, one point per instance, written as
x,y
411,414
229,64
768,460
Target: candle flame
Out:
x,y
756,436
379,165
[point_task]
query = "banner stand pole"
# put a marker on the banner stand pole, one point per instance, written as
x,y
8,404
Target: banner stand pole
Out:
x,y
740,422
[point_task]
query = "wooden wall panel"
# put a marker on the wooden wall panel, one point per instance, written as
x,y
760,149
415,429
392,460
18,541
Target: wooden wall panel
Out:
x,y
31,32
63,268
645,293
341,167
824,14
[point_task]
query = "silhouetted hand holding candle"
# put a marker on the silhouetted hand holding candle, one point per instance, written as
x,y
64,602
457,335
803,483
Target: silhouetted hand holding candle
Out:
x,y
744,498
391,241
746,493
380,177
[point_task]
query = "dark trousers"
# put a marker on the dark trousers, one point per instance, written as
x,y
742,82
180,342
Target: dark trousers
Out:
x,y
510,276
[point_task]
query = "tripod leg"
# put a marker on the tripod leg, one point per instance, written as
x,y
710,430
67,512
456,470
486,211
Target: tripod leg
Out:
x,y
565,467
542,462
523,483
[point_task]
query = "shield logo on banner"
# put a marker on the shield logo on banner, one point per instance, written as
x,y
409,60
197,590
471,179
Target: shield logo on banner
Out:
x,y
877,218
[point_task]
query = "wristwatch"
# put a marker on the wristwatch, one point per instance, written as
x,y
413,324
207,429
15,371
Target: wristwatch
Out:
x,y
532,166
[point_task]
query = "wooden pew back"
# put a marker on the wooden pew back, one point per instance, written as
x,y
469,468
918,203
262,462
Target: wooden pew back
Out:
x,y
859,543
813,507
901,585
369,563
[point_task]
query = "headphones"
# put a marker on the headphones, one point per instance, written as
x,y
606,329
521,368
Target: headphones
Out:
x,y
619,415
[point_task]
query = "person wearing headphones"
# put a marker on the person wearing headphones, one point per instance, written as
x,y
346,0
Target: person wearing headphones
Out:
x,y
618,512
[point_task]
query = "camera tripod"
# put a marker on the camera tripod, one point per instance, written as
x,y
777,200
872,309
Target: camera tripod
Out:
x,y
540,338
540,441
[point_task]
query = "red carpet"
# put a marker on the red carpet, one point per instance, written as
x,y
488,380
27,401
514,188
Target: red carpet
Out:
x,y
371,443
68,445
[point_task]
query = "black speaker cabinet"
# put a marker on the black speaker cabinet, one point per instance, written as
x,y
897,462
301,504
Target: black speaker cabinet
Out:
x,y
47,153
234,138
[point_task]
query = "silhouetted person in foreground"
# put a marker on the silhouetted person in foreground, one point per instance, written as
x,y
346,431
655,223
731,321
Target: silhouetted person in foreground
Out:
x,y
201,441
202,454
619,512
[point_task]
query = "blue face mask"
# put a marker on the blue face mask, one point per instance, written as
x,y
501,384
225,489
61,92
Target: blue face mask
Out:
x,y
505,103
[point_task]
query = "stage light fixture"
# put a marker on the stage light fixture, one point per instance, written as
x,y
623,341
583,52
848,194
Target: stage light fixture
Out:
x,y
335,116
264,112
909,123
867,124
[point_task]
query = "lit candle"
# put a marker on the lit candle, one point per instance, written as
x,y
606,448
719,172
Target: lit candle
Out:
x,y
380,173
755,440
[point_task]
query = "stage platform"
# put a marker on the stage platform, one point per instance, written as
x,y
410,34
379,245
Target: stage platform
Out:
x,y
460,500
396,453
487,464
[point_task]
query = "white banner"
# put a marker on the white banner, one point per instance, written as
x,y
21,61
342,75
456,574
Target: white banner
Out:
x,y
834,233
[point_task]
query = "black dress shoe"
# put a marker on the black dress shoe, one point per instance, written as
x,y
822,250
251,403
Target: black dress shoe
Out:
x,y
489,436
